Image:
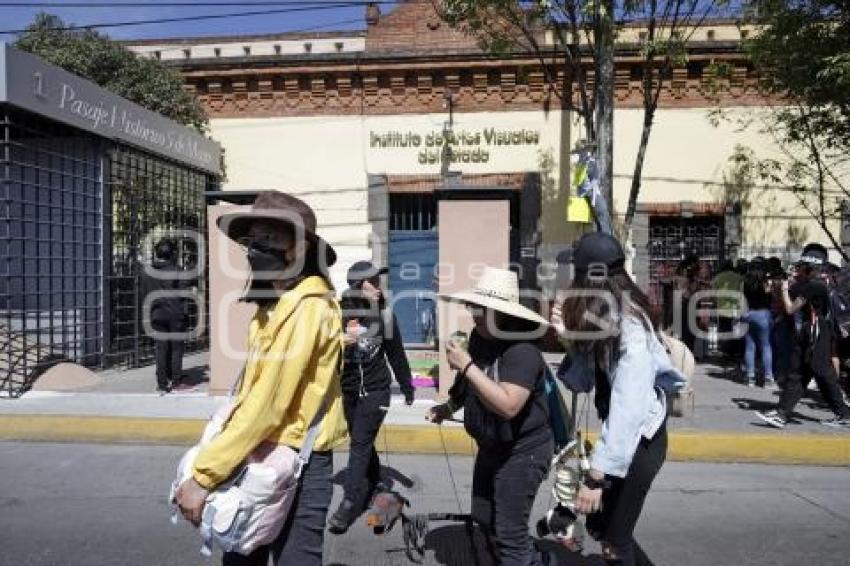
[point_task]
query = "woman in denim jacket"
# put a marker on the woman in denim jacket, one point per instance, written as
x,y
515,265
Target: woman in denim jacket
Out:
x,y
606,323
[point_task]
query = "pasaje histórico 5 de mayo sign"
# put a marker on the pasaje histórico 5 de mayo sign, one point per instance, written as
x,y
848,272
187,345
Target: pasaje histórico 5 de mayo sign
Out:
x,y
464,146
29,83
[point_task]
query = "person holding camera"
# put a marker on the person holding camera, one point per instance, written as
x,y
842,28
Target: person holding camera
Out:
x,y
607,322
374,355
808,301
499,384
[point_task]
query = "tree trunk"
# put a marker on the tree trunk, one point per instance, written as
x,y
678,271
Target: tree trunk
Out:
x,y
605,103
636,176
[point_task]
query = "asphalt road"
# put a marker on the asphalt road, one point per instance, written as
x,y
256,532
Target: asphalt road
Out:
x,y
92,505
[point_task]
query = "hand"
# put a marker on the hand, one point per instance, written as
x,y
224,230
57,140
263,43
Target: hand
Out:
x,y
557,320
588,500
438,413
458,357
191,498
348,339
408,398
785,285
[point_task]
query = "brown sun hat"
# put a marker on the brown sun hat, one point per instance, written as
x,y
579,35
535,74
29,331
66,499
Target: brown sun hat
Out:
x,y
278,207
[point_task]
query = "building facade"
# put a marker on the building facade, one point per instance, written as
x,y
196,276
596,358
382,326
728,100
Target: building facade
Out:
x,y
358,123
90,182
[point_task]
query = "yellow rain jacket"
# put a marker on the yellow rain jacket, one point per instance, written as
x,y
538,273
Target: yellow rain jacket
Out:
x,y
293,364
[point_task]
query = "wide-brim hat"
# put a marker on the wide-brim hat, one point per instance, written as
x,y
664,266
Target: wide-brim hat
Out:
x,y
278,207
497,289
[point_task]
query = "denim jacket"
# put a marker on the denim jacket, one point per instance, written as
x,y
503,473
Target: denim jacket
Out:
x,y
641,374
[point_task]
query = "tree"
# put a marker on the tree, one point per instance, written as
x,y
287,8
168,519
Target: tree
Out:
x,y
802,55
96,57
584,33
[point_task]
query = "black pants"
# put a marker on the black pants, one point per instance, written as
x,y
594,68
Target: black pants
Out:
x,y
169,353
819,367
504,485
623,502
364,417
303,535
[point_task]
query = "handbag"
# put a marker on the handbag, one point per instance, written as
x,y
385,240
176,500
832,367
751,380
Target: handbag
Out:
x,y
249,509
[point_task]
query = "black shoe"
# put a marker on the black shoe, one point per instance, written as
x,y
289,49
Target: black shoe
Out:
x,y
343,517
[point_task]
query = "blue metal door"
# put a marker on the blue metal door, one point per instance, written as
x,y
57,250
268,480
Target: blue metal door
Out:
x,y
413,256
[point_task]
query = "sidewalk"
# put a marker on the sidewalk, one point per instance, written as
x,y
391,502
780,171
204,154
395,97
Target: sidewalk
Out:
x,y
121,406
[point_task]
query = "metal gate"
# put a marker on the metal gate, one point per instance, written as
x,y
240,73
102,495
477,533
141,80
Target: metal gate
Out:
x,y
671,239
413,257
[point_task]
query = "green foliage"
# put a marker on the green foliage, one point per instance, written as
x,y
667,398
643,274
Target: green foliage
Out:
x,y
803,52
109,64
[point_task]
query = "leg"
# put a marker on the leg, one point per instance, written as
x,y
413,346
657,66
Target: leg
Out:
x,y
177,353
827,380
750,349
515,486
367,420
302,538
792,391
162,364
625,503
763,329
482,491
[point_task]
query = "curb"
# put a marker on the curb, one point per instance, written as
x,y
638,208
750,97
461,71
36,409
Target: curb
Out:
x,y
684,446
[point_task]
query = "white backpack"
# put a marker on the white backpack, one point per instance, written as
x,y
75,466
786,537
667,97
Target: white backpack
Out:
x,y
250,508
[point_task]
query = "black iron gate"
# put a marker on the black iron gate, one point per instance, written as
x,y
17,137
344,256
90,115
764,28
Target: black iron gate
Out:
x,y
672,239
79,216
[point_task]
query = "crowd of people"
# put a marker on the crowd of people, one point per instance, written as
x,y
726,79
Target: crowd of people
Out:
x,y
783,328
319,364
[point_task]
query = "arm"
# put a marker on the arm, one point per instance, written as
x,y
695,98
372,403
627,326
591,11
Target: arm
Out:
x,y
632,391
262,410
791,307
397,358
504,398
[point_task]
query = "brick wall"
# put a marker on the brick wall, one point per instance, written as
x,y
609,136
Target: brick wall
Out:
x,y
416,26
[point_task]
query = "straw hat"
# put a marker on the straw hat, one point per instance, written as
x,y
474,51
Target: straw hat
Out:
x,y
497,289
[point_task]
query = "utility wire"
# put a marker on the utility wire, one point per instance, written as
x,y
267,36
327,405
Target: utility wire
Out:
x,y
150,4
328,6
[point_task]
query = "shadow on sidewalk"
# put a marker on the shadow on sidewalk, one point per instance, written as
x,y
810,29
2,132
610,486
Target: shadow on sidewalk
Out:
x,y
461,545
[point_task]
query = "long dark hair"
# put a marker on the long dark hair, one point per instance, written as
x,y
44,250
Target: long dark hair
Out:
x,y
755,280
589,309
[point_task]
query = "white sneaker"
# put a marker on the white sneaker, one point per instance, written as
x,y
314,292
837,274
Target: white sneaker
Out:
x,y
773,418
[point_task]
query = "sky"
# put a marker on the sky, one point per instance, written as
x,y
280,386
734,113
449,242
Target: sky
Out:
x,y
317,15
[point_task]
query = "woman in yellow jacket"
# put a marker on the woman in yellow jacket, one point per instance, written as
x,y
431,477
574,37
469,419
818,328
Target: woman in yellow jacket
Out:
x,y
292,373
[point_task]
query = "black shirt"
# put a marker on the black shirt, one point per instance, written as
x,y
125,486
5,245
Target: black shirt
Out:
x,y
378,356
813,323
519,363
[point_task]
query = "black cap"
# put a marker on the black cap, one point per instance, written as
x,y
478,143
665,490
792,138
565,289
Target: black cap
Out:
x,y
599,248
814,254
362,270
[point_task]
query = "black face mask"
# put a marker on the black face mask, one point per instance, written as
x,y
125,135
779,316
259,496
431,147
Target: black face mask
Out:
x,y
266,259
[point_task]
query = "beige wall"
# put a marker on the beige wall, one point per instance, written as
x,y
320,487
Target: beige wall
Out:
x,y
686,161
326,160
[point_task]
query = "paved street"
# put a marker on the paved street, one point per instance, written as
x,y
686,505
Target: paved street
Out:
x,y
90,505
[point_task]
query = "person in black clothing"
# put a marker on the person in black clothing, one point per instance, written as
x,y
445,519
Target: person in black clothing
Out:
x,y
808,301
373,355
499,384
168,313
